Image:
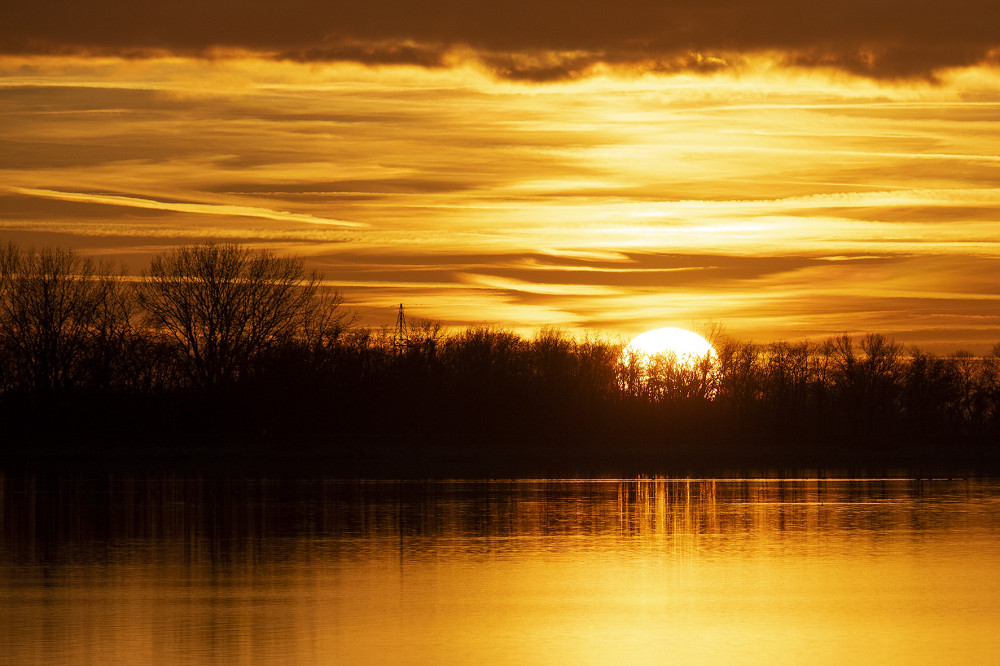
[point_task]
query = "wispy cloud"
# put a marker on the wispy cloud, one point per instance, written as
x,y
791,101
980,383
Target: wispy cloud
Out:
x,y
227,210
781,202
555,289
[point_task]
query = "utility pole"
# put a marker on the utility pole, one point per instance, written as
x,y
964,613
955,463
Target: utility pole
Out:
x,y
401,336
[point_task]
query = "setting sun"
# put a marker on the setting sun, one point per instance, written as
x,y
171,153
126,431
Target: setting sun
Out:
x,y
340,304
687,346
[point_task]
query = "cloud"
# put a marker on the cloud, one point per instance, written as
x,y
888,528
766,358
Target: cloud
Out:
x,y
782,203
526,39
199,208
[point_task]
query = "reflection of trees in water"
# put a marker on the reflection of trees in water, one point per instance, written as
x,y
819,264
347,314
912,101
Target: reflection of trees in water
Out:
x,y
216,521
787,509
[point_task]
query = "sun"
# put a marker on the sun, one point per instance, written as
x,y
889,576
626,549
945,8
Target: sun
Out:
x,y
687,347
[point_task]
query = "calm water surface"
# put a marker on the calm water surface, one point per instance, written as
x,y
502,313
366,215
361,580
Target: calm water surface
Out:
x,y
189,570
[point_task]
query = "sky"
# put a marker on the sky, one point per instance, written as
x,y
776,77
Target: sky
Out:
x,y
786,170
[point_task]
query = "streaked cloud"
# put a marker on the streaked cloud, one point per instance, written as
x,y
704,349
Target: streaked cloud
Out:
x,y
196,208
783,203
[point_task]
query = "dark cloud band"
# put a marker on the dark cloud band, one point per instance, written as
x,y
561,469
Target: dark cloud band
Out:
x,y
522,39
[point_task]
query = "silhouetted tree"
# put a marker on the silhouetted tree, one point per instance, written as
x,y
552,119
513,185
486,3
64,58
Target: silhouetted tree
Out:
x,y
989,386
597,360
225,305
324,321
64,320
739,375
552,363
287,352
929,391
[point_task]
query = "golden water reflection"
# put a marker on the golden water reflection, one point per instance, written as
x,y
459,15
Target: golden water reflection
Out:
x,y
172,570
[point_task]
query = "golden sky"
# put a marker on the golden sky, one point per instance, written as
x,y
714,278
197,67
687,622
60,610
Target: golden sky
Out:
x,y
784,169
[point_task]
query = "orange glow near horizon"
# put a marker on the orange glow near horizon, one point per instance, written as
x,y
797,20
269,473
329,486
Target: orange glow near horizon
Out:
x,y
783,203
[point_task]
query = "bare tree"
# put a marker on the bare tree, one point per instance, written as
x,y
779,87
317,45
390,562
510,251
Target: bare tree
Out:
x,y
63,319
8,262
225,305
740,373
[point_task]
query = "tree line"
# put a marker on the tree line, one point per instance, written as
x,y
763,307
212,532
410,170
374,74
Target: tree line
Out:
x,y
223,349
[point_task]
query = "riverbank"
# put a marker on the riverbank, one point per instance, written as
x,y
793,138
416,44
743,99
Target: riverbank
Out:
x,y
401,458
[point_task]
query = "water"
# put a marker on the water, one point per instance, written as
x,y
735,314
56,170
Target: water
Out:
x,y
187,570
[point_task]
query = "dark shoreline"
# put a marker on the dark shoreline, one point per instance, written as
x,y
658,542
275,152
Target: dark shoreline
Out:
x,y
226,358
399,458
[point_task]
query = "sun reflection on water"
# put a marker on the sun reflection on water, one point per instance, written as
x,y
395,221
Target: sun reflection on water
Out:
x,y
588,571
